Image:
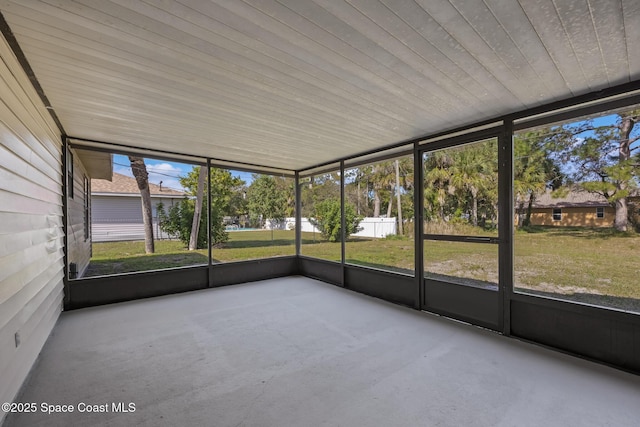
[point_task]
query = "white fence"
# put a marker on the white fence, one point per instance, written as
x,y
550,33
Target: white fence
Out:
x,y
371,227
119,230
377,227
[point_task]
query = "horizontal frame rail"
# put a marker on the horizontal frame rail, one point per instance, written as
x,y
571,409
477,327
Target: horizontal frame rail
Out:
x,y
466,239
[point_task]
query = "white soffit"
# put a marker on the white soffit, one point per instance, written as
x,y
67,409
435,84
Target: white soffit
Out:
x,y
99,165
294,83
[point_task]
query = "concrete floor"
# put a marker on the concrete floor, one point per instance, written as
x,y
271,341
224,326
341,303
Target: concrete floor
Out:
x,y
298,352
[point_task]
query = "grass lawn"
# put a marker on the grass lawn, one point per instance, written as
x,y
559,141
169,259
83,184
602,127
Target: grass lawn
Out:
x,y
125,257
597,266
588,265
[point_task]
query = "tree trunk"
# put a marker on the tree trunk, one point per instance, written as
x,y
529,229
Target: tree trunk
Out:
x,y
474,207
621,220
520,213
197,213
400,231
376,192
358,197
624,154
390,207
441,207
527,219
139,170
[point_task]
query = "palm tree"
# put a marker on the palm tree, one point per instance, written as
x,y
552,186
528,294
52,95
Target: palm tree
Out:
x,y
141,175
472,171
437,177
383,182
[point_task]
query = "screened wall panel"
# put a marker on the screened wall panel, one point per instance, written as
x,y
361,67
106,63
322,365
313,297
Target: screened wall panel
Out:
x,y
141,215
577,209
379,213
321,214
253,215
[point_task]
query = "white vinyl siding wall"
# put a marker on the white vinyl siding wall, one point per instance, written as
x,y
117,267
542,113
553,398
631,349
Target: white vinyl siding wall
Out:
x,y
31,233
119,218
79,248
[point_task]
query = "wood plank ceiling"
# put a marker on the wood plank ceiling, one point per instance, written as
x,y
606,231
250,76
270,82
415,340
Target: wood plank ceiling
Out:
x,y
293,83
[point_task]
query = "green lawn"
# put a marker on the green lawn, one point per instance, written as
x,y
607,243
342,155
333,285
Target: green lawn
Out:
x,y
125,257
589,265
594,266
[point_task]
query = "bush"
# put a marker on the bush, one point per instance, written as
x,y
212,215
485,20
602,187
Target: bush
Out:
x,y
326,217
177,222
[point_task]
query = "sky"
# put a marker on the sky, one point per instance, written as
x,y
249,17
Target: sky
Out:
x,y
165,171
608,120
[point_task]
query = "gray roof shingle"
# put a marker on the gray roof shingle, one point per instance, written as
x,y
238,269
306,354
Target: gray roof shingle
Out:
x,y
122,184
574,198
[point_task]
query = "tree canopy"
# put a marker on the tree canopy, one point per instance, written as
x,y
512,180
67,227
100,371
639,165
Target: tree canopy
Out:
x,y
605,159
374,189
270,198
597,155
226,199
461,184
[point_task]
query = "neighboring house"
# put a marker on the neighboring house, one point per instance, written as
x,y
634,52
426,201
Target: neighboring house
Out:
x,y
82,167
116,208
575,209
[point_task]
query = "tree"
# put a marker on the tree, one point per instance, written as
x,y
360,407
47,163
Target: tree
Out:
x,y
470,175
474,178
179,219
397,165
141,175
197,211
356,189
437,176
383,181
318,188
225,191
535,169
460,184
267,200
368,187
603,159
327,218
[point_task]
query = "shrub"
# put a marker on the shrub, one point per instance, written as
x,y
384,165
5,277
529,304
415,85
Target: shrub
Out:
x,y
326,217
178,219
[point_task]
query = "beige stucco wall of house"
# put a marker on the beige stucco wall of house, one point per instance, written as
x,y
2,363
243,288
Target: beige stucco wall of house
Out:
x,y
573,217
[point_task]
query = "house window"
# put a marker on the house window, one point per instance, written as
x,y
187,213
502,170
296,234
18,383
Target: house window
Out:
x,y
557,214
70,175
600,212
87,201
